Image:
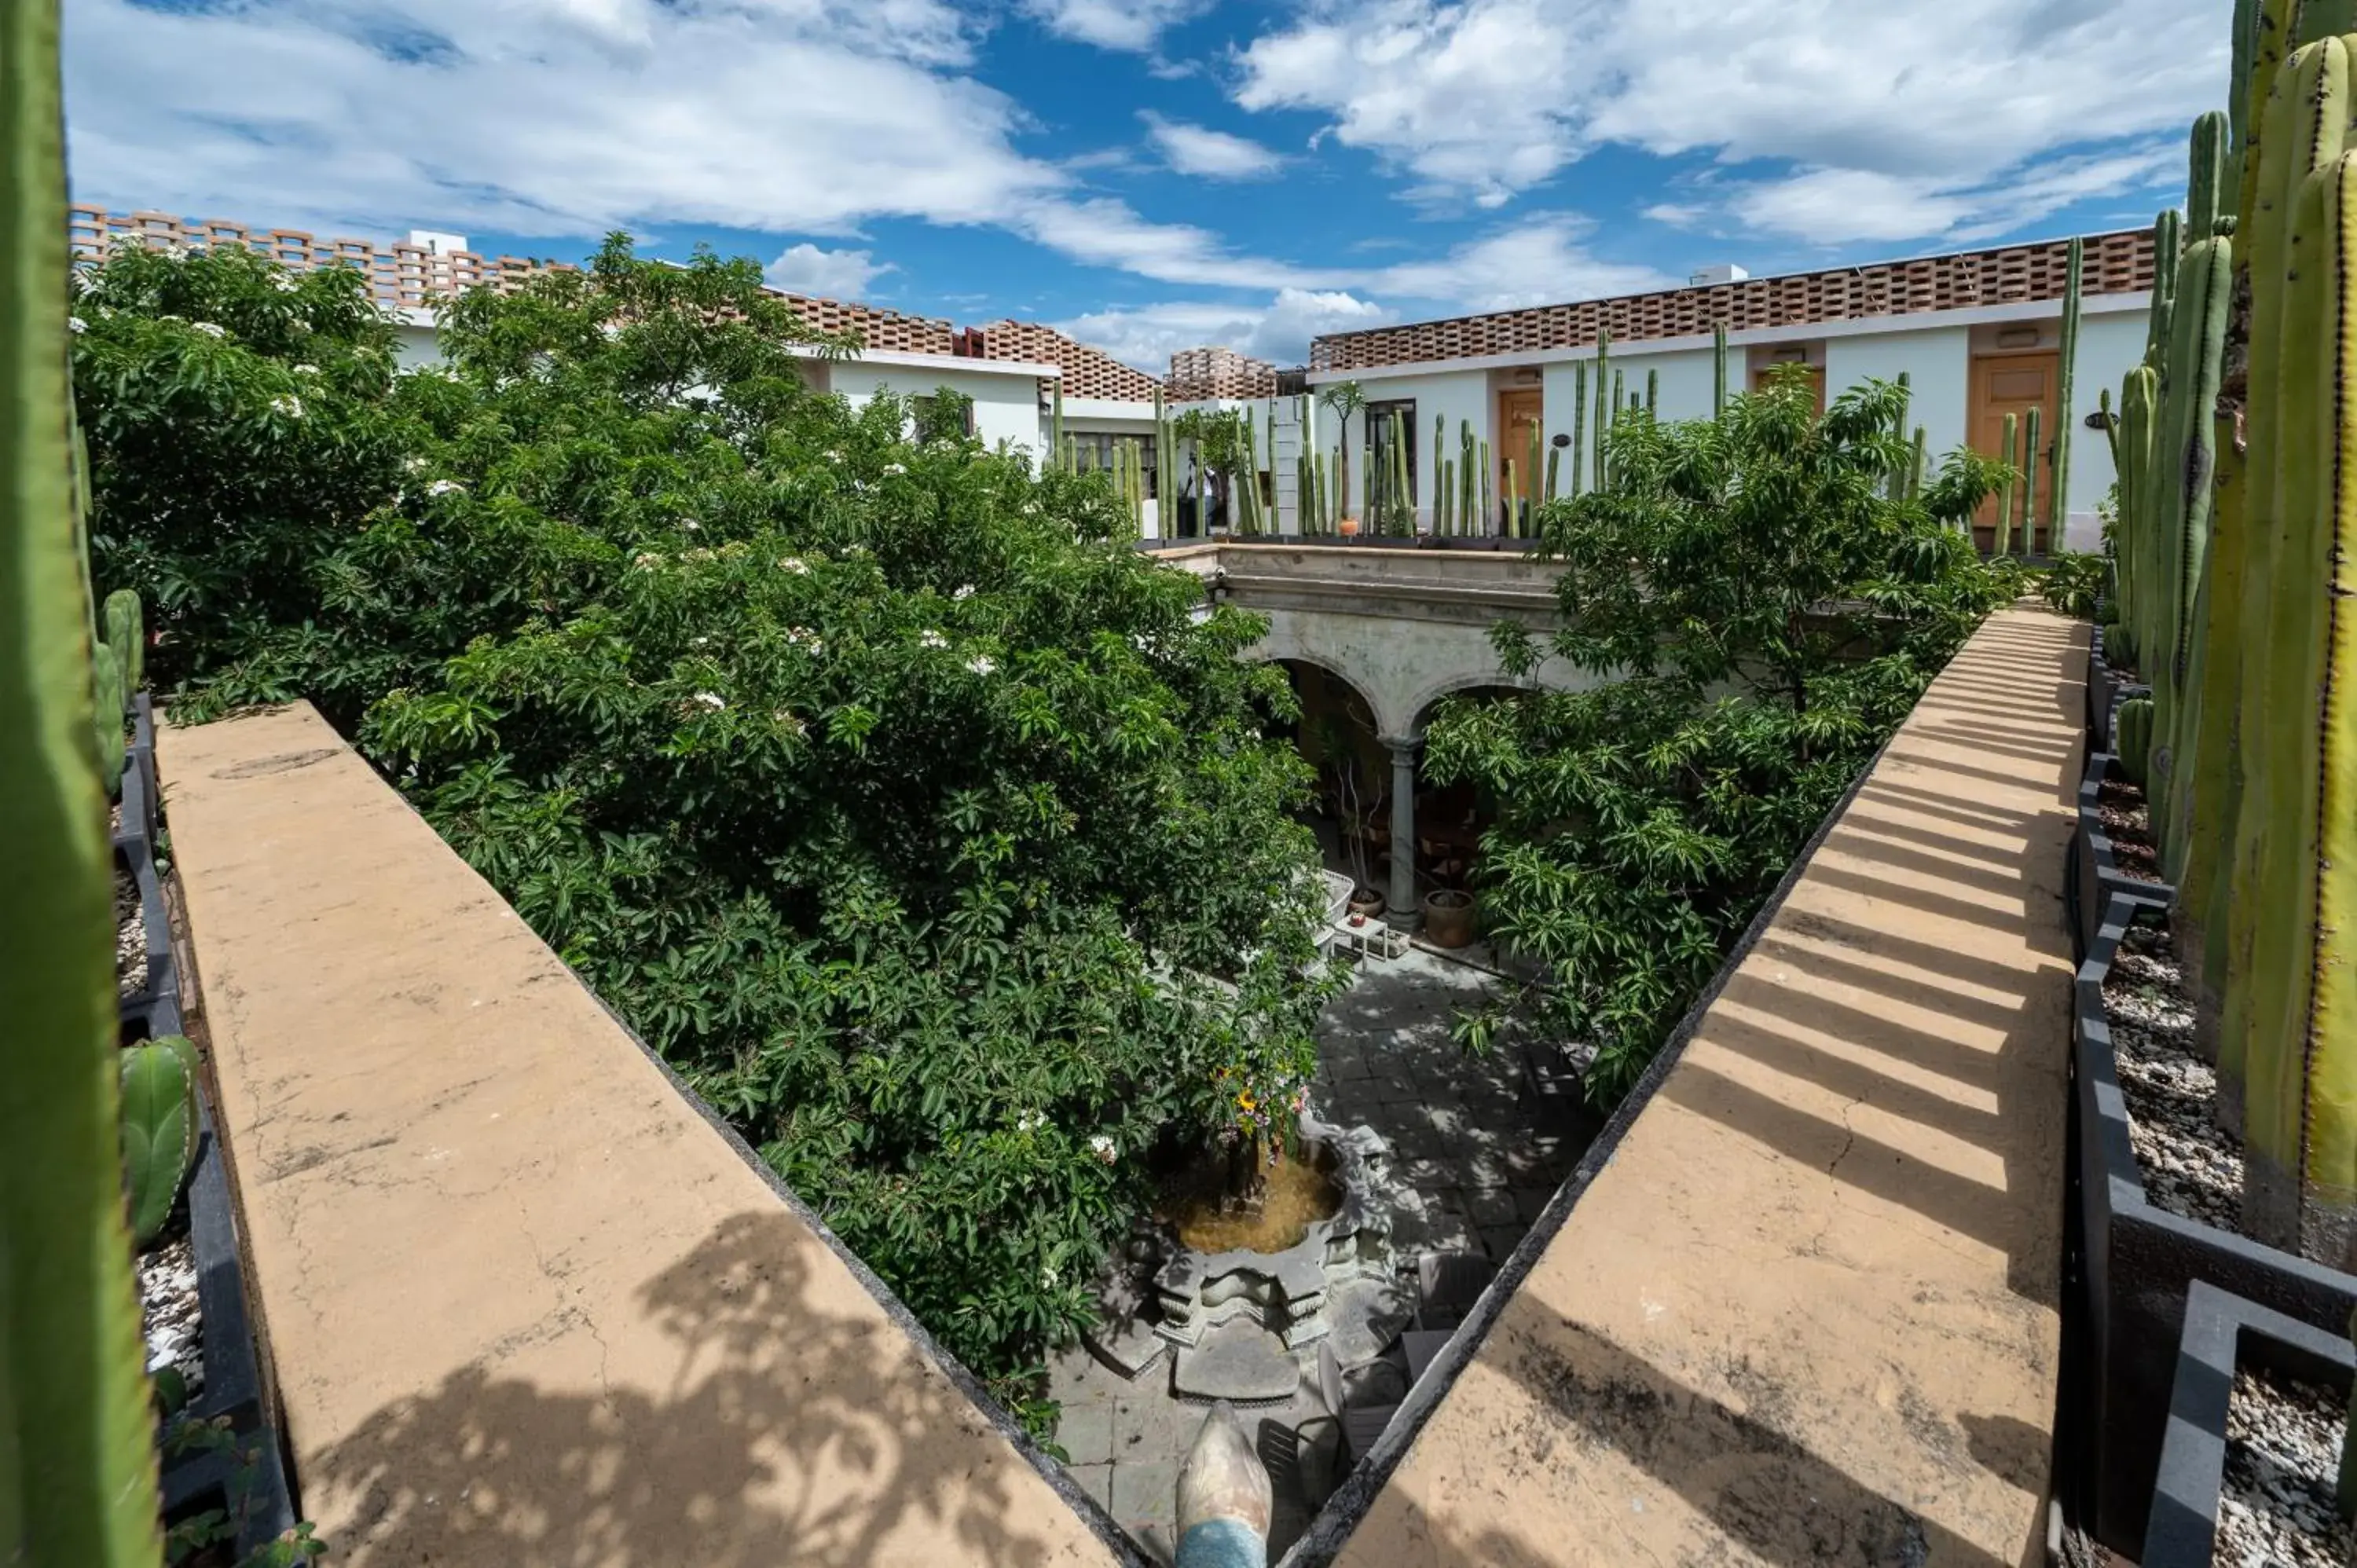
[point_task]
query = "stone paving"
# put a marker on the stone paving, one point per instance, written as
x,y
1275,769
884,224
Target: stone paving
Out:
x,y
1479,1168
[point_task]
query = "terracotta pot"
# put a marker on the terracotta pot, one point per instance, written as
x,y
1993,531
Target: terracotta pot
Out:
x,y
1348,528
1447,917
1366,901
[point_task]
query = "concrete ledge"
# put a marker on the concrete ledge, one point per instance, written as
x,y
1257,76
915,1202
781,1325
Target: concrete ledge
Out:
x,y
526,1305
1802,1306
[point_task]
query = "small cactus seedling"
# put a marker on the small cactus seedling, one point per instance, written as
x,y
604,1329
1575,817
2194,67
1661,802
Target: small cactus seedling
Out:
x,y
159,1130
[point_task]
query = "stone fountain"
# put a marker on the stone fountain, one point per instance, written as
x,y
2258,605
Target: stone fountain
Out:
x,y
1237,1321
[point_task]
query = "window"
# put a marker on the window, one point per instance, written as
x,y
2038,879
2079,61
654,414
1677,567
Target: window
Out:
x,y
1093,451
945,414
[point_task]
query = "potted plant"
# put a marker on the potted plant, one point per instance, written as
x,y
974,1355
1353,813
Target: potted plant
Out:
x,y
1345,398
1448,918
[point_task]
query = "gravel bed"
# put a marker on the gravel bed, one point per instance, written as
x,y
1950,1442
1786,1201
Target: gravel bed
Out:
x,y
168,1310
2129,824
2283,1453
130,937
2190,1166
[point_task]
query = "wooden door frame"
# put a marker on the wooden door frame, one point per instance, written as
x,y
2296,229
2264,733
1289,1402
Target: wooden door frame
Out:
x,y
1504,427
1979,398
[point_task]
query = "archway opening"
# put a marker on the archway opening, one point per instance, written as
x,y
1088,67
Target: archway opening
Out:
x,y
1450,818
1349,809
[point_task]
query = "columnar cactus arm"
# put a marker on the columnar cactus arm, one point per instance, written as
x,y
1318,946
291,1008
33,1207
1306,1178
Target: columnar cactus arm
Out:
x,y
76,1456
1579,425
2003,543
2066,410
2304,127
1718,371
2033,451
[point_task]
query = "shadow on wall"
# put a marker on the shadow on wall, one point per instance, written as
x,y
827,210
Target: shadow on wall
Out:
x,y
784,1434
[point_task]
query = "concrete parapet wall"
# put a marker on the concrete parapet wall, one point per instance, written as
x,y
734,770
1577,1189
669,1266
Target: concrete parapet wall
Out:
x,y
527,1305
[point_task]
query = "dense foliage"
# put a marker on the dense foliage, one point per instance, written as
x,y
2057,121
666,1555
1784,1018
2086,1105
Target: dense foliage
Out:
x,y
929,832
1763,602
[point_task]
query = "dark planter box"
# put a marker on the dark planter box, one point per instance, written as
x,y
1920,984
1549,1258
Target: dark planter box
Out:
x,y
2093,877
193,1481
2223,1331
2140,1263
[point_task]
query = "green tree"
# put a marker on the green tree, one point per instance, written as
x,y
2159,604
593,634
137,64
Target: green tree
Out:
x,y
1764,604
906,810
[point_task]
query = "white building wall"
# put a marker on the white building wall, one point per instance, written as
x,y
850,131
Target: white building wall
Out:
x,y
1455,397
1006,407
2110,346
1938,363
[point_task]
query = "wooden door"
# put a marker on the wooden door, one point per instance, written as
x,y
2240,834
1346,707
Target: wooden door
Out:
x,y
2014,384
1520,413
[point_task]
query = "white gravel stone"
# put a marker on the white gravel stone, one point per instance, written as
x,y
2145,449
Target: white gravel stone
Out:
x,y
2283,1454
170,1311
2191,1166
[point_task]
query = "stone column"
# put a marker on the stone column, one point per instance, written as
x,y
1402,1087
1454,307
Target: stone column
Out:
x,y
1403,900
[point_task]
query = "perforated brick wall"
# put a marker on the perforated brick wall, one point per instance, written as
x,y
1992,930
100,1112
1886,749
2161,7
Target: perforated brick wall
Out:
x,y
1088,372
2115,263
1196,374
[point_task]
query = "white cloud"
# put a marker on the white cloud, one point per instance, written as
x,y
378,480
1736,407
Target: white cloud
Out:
x,y
1834,206
831,274
1280,331
565,118
1127,24
1208,154
1538,262
1487,98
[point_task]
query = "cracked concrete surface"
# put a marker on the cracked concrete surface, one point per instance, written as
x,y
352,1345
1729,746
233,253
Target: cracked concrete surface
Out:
x,y
526,1307
1807,1313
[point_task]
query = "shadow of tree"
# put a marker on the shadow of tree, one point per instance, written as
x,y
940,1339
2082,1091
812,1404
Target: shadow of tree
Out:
x,y
760,1411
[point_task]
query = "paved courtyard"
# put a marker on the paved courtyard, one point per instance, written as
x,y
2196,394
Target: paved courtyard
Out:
x,y
1481,1170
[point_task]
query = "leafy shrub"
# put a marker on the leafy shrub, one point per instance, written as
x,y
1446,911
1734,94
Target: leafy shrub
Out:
x,y
1763,607
926,829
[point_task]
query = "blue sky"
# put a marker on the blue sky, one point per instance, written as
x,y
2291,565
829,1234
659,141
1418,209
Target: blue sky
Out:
x,y
1154,174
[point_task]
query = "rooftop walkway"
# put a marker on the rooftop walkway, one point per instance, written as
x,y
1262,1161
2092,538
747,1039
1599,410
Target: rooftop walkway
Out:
x,y
528,1307
1807,1314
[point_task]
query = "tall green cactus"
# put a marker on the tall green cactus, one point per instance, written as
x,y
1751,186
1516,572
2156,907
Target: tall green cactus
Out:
x,y
2066,423
2140,392
1488,506
1579,425
2192,378
1554,469
1056,443
159,1129
2003,543
1718,371
1468,480
2295,1007
1654,393
76,1456
1596,458
2032,451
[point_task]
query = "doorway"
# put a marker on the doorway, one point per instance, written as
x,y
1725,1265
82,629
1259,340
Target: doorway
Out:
x,y
2014,384
1522,415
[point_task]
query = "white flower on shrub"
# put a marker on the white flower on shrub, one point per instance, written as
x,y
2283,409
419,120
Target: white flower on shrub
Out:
x,y
699,642
1030,1121
76,324
697,555
283,284
804,638
834,456
794,564
306,370
442,486
712,699
788,720
413,466
982,664
1049,1277
647,560
931,640
966,591
894,468
692,525
1102,1147
208,328
857,552
289,406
